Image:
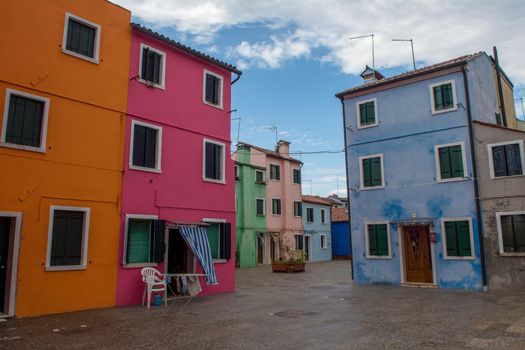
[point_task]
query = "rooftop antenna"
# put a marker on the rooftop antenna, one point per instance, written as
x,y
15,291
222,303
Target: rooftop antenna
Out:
x,y
337,180
239,124
412,46
373,53
274,128
310,181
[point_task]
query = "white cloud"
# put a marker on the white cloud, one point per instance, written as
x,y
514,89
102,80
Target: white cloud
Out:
x,y
440,29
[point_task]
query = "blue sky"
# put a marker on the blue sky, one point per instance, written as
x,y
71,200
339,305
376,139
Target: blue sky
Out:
x,y
295,56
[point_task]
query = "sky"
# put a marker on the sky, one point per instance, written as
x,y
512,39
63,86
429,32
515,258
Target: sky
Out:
x,y
295,55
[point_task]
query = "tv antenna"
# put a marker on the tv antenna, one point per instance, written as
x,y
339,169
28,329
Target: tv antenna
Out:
x,y
373,49
274,128
412,46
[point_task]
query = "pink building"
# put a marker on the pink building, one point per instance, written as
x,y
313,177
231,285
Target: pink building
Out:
x,y
177,169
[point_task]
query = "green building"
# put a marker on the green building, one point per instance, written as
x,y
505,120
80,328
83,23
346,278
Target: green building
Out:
x,y
250,196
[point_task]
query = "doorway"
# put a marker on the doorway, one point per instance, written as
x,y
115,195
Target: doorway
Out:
x,y
307,247
260,248
10,224
180,258
417,254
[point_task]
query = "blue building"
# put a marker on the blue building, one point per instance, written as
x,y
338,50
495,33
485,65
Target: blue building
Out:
x,y
412,176
341,244
317,236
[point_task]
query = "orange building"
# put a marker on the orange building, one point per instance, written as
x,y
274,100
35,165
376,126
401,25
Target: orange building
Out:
x,y
63,95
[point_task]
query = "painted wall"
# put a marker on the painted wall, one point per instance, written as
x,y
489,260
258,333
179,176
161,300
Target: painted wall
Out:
x,y
179,192
505,194
341,245
315,229
82,164
406,136
248,223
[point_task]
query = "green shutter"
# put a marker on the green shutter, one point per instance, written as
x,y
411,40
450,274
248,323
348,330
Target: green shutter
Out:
x,y
213,239
372,240
444,162
451,234
139,241
370,113
367,172
463,233
448,99
362,114
518,222
438,98
507,231
382,240
456,161
376,172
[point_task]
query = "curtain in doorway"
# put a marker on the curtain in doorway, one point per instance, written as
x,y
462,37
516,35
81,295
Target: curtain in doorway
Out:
x,y
197,239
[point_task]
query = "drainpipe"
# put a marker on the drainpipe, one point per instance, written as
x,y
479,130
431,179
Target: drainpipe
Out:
x,y
500,88
475,180
237,78
346,185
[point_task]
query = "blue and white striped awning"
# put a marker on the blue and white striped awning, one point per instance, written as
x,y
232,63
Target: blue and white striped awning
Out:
x,y
197,239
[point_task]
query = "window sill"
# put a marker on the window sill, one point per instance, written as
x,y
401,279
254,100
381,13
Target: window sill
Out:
x,y
23,147
138,265
274,180
374,257
276,214
149,170
151,85
222,182
372,188
511,254
454,179
260,215
506,177
220,261
434,112
459,258
360,127
219,106
66,268
82,57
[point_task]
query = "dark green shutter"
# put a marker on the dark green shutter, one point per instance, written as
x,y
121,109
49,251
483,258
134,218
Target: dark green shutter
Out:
x,y
376,172
139,136
451,235
372,240
456,161
444,163
213,161
518,223
159,242
438,98
463,233
225,234
150,151
362,114
213,239
382,239
367,172
24,121
448,98
66,243
80,38
139,241
507,232
370,113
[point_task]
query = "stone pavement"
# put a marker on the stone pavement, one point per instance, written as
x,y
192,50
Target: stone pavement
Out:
x,y
318,309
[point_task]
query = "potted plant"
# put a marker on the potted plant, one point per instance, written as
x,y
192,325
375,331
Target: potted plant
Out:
x,y
293,263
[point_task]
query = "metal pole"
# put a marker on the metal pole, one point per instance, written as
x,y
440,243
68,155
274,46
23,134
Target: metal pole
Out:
x,y
373,57
413,56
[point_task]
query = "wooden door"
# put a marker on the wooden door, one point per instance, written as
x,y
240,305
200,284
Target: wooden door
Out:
x,y
416,243
307,248
5,232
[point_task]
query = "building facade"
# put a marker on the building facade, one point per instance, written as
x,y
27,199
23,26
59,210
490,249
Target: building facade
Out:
x,y
176,169
64,94
412,174
317,239
341,242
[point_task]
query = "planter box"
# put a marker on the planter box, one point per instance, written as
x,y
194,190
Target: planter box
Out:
x,y
288,268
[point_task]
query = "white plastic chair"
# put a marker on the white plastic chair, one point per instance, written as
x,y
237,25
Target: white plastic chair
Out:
x,y
154,282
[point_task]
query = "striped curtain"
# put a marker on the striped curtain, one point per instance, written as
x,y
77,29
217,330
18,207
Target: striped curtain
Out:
x,y
197,239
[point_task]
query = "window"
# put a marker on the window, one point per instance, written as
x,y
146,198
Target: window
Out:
x,y
323,241
450,162
299,242
323,216
275,172
276,206
68,237
144,241
457,238
443,96
259,207
81,38
146,144
309,214
371,171
237,174
25,121
367,114
506,159
212,89
213,161
378,240
259,176
296,176
219,238
511,229
152,67
297,209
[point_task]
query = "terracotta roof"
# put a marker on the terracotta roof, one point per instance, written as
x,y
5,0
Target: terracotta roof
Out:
x,y
317,200
185,48
339,214
498,126
458,61
269,152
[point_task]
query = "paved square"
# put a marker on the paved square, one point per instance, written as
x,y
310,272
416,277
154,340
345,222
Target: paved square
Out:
x,y
318,309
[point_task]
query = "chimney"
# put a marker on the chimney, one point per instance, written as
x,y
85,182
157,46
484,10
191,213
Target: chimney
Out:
x,y
283,148
369,75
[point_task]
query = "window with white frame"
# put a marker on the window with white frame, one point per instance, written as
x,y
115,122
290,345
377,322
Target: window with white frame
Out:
x,y
367,113
296,176
323,216
457,237
146,146
260,207
81,38
25,121
511,231
324,245
451,162
152,66
275,172
377,240
309,214
214,161
213,89
237,173
443,97
259,177
506,159
219,238
68,238
371,171
276,206
140,240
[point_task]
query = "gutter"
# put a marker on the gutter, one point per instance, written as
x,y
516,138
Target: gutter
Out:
x,y
341,98
239,73
476,182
